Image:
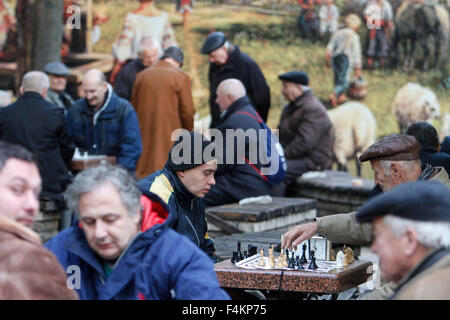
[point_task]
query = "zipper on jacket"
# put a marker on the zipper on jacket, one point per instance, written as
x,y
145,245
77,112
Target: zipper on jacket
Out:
x,y
195,232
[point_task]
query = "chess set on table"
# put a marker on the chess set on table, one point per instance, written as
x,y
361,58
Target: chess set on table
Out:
x,y
321,260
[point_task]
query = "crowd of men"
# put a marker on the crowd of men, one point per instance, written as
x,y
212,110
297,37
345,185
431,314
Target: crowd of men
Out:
x,y
140,231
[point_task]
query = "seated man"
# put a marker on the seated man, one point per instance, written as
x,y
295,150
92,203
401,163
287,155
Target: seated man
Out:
x,y
124,247
28,271
182,184
412,238
306,131
394,160
103,123
239,175
57,73
148,54
428,137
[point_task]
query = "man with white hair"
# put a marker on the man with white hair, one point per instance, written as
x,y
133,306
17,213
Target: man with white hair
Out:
x,y
237,177
103,123
39,126
148,53
412,238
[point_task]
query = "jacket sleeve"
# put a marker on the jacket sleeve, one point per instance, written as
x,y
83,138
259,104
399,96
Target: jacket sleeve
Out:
x,y
259,91
121,87
207,244
66,145
131,143
307,137
186,104
343,228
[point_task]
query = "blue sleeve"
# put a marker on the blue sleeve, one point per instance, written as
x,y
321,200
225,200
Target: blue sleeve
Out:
x,y
131,143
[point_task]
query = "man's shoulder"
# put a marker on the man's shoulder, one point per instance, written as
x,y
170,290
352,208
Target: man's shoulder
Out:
x,y
159,184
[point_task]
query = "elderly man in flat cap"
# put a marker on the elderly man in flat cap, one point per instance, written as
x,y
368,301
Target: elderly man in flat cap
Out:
x,y
412,238
227,61
57,73
394,160
306,131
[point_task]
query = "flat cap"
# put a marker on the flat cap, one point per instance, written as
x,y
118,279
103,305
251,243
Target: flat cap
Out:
x,y
394,147
175,53
214,41
427,201
56,68
295,76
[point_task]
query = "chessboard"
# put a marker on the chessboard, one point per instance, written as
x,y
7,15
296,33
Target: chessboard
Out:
x,y
252,263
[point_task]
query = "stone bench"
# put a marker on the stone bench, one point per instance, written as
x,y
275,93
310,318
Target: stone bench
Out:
x,y
280,215
47,221
335,191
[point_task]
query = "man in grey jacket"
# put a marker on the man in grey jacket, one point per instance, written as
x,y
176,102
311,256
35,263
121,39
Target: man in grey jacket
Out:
x,y
394,160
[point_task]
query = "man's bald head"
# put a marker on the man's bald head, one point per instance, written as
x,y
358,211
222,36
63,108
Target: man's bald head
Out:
x,y
149,51
35,81
95,88
229,91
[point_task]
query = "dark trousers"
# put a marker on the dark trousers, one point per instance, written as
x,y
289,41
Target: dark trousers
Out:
x,y
295,168
341,68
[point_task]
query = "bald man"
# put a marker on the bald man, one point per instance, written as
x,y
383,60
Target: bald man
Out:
x,y
239,176
39,126
103,123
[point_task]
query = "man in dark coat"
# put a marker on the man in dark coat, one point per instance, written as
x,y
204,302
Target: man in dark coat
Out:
x,y
237,178
39,126
148,55
428,137
306,132
227,61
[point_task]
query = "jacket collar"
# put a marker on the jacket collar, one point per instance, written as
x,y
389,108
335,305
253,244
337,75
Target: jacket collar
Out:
x,y
235,106
233,59
108,108
181,192
31,95
299,101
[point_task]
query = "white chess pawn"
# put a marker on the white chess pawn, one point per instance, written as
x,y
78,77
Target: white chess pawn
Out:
x,y
262,263
340,259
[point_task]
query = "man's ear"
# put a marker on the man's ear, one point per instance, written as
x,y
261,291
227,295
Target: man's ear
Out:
x,y
21,90
181,174
395,170
411,241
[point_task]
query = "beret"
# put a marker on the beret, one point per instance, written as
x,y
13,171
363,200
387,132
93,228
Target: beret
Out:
x,y
188,151
426,201
56,68
175,53
299,77
214,41
394,147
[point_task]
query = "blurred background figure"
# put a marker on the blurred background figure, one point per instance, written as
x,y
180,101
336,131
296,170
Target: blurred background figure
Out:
x,y
5,98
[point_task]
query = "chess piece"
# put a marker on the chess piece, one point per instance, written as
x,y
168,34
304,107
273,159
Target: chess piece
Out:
x,y
299,266
297,261
303,258
245,255
349,258
340,259
332,255
271,257
235,258
262,263
313,265
240,256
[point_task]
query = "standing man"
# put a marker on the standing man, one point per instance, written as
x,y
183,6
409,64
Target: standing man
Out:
x,y
58,73
238,178
39,126
344,51
29,272
227,61
148,54
163,101
124,247
306,131
103,123
411,227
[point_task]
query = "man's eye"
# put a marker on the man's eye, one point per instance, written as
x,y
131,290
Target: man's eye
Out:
x,y
88,221
17,189
110,219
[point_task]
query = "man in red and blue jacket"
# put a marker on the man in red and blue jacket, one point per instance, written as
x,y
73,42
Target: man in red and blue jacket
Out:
x,y
123,246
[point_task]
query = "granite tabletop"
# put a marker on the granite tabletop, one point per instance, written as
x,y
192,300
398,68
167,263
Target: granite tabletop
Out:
x,y
333,281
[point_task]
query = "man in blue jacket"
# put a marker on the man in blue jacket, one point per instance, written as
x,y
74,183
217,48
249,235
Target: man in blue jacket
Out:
x,y
103,123
183,183
123,247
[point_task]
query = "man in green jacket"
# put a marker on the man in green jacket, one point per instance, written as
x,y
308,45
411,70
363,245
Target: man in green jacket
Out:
x,y
394,160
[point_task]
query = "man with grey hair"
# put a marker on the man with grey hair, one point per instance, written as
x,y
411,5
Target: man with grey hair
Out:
x,y
306,131
124,246
394,160
58,73
39,126
148,53
238,176
103,123
412,238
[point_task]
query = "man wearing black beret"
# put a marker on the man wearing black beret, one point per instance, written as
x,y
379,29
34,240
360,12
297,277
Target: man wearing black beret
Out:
x,y
183,183
305,131
394,160
412,238
227,61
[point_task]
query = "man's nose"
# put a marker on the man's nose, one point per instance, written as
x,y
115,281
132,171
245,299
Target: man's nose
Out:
x,y
212,181
31,203
100,230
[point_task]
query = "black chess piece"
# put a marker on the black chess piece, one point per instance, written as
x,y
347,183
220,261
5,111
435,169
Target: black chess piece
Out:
x,y
292,257
240,256
235,258
245,254
300,265
297,261
303,258
313,265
